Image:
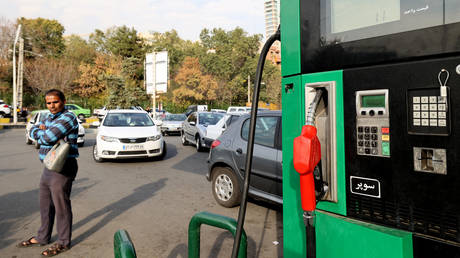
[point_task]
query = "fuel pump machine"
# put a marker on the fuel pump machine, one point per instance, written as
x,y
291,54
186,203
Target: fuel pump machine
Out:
x,y
388,123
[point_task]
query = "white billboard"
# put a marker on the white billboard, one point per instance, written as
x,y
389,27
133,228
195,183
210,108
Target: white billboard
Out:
x,y
156,72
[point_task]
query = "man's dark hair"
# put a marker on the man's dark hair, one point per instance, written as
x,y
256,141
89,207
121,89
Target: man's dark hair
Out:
x,y
56,92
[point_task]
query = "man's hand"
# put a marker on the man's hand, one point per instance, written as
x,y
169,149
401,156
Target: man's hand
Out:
x,y
42,127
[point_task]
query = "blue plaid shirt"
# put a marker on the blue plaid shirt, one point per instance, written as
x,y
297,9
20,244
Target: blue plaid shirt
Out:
x,y
58,126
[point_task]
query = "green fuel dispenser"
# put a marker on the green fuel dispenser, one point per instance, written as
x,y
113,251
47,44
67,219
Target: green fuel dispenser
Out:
x,y
387,125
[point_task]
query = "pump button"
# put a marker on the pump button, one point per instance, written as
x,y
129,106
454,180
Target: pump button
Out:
x,y
363,113
380,113
386,148
372,113
374,129
360,129
368,151
386,130
367,129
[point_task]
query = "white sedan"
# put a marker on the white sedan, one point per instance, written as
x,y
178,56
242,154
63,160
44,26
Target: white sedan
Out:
x,y
128,133
39,116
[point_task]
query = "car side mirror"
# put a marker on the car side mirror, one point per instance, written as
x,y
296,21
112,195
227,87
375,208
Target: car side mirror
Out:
x,y
193,123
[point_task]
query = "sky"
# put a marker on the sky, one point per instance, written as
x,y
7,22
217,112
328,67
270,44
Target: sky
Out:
x,y
188,17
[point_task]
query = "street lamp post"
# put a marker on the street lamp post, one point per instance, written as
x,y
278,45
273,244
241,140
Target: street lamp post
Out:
x,y
15,97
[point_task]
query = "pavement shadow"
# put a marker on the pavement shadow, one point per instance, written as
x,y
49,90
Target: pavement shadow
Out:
x,y
186,164
10,170
179,251
16,206
111,211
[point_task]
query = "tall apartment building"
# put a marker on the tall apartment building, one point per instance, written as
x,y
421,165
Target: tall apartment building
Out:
x,y
272,20
272,17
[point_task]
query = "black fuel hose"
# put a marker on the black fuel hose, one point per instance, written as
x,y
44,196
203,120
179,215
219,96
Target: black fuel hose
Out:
x,y
250,147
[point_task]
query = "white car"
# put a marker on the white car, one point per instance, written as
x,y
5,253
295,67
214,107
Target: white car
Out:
x,y
41,115
214,131
100,112
172,123
5,109
128,133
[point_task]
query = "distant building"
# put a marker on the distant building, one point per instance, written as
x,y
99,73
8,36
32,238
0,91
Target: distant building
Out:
x,y
272,17
272,20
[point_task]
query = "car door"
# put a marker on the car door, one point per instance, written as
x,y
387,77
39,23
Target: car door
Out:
x,y
265,171
190,127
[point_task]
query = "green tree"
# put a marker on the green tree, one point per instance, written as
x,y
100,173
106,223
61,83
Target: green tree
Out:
x,y
79,51
121,41
42,36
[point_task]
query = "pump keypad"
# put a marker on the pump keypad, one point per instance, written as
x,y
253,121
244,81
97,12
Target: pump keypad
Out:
x,y
428,112
373,140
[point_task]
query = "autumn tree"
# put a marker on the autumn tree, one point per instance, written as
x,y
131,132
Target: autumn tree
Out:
x,y
193,85
43,74
42,36
92,79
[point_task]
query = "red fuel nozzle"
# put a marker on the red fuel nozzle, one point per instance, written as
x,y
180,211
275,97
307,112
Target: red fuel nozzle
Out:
x,y
307,154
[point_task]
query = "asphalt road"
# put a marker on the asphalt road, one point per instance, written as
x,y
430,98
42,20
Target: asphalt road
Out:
x,y
153,200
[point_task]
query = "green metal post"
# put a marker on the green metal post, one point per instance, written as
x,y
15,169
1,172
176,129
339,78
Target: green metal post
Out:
x,y
214,220
122,245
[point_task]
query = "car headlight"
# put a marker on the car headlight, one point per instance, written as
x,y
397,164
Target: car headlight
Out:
x,y
109,139
154,138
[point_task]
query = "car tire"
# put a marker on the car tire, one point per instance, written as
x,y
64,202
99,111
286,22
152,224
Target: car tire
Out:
x,y
95,156
182,137
81,117
81,144
198,144
225,187
28,141
36,145
2,115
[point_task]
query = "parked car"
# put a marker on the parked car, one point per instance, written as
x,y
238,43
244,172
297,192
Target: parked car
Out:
x,y
238,110
214,131
195,108
80,112
172,123
227,160
194,128
39,116
5,109
128,133
100,112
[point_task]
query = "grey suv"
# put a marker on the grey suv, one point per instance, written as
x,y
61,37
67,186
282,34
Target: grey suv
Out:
x,y
227,160
195,126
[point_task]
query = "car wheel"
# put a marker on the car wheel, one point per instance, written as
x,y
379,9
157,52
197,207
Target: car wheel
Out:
x,y
36,145
81,144
28,141
184,141
198,144
2,115
95,156
225,187
81,117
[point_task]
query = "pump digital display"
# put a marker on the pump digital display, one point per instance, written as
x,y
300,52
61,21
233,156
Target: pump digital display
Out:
x,y
371,13
372,101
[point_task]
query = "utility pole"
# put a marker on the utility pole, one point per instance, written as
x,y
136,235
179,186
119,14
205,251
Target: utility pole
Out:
x,y
249,88
154,94
20,72
15,94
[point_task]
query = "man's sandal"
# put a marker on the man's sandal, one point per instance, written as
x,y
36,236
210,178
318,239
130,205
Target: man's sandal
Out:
x,y
55,250
29,243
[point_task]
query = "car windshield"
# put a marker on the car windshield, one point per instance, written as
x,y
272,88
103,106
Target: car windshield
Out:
x,y
209,118
127,119
175,117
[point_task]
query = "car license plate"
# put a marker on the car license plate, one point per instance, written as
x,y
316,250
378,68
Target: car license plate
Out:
x,y
133,147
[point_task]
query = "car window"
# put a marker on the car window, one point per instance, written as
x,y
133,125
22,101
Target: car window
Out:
x,y
70,107
175,117
192,118
265,130
209,118
127,120
43,116
231,119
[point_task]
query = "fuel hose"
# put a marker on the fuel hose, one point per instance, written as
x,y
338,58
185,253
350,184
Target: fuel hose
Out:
x,y
250,147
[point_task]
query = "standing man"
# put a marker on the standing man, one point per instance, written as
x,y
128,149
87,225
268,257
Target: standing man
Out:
x,y
55,187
